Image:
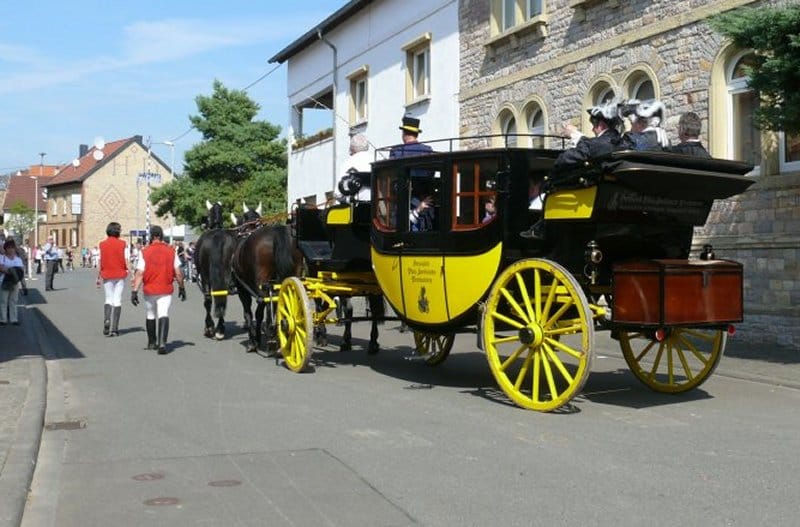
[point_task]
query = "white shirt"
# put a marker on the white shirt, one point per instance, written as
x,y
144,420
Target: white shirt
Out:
x,y
360,162
7,262
140,263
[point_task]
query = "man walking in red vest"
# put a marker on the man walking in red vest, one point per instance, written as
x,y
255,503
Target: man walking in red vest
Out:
x,y
158,266
112,272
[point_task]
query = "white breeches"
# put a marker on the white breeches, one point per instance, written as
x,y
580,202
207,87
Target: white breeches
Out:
x,y
113,289
157,306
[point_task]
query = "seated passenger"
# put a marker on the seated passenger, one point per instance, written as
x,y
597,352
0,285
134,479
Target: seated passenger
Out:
x,y
605,123
490,211
646,132
689,133
358,161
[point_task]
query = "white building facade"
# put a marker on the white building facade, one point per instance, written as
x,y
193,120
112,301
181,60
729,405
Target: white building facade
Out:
x,y
367,65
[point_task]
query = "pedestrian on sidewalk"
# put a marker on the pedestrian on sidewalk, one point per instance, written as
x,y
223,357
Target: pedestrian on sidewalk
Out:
x,y
156,269
12,279
50,256
111,274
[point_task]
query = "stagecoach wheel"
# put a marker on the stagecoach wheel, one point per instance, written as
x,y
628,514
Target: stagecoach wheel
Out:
x,y
294,324
538,334
681,361
433,347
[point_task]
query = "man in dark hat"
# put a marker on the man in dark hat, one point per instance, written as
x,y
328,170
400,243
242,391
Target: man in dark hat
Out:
x,y
157,268
411,146
421,207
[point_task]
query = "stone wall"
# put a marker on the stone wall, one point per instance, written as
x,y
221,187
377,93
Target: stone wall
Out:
x,y
671,41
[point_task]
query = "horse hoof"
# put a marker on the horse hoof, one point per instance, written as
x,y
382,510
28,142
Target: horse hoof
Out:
x,y
372,349
219,336
321,342
345,346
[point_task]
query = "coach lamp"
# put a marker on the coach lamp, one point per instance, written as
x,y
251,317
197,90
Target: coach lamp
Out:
x,y
593,256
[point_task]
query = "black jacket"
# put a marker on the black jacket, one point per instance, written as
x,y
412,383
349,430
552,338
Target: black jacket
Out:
x,y
691,148
588,148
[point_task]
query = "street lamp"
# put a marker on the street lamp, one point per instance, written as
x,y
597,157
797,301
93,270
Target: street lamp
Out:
x,y
171,146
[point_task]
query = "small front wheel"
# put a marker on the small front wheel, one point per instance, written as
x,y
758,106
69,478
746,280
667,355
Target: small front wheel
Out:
x,y
433,347
295,325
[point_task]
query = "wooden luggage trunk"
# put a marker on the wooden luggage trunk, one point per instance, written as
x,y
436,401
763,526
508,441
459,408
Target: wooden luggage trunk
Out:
x,y
677,292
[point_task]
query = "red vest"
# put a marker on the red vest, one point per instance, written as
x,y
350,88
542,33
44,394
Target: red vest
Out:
x,y
159,268
112,259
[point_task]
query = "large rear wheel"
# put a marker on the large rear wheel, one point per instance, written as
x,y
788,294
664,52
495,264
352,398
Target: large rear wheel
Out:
x,y
295,325
434,348
681,361
538,334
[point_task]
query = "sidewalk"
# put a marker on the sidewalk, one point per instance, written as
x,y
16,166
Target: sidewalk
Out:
x,y
23,383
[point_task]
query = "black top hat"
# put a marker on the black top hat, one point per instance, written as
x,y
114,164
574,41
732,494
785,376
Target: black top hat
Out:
x,y
411,124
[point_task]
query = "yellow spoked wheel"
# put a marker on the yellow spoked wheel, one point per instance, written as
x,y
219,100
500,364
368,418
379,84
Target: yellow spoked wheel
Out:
x,y
683,360
433,347
295,326
538,334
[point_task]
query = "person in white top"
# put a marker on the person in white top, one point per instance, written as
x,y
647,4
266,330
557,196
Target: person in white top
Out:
x,y
12,279
359,161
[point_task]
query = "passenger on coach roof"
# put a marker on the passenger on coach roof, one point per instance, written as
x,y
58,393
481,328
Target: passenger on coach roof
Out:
x,y
605,125
646,132
689,126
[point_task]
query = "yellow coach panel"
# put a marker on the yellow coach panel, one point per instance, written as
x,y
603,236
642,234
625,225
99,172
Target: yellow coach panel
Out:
x,y
574,204
387,272
468,278
339,216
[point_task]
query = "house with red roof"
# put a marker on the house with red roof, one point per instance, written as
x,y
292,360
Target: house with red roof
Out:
x,y
105,183
21,189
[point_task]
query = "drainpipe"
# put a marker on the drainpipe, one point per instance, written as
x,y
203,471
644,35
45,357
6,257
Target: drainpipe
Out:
x,y
335,90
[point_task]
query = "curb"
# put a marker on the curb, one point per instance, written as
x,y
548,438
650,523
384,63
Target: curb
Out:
x,y
17,474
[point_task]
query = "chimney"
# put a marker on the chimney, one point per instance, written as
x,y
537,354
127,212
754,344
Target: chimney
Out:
x,y
138,139
82,150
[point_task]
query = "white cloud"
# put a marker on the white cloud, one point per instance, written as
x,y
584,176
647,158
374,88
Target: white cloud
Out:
x,y
147,42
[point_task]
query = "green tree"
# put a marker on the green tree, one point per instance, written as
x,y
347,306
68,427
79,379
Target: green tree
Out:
x,y
774,35
239,159
21,221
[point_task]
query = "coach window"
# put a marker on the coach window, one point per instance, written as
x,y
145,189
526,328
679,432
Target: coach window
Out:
x,y
472,191
386,189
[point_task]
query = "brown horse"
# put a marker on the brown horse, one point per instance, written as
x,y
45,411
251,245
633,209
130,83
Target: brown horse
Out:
x,y
264,258
213,253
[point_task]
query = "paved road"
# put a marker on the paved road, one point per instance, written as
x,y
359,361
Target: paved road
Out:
x,y
211,435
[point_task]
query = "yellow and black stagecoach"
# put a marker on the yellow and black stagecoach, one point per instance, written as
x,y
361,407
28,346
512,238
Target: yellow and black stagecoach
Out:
x,y
614,255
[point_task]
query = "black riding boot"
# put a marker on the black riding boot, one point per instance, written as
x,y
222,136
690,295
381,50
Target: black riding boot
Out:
x,y
151,333
115,313
106,318
163,329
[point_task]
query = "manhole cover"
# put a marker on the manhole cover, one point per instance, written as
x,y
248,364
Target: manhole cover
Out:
x,y
65,425
225,483
150,476
162,501
4,382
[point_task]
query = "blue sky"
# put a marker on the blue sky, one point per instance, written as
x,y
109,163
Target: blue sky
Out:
x,y
71,72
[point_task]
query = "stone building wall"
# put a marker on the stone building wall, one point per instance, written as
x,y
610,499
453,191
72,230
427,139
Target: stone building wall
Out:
x,y
671,41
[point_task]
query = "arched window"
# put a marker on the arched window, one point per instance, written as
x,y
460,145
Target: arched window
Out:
x,y
744,139
509,129
534,119
603,94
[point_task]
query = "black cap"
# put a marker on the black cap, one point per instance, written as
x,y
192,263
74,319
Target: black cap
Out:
x,y
411,124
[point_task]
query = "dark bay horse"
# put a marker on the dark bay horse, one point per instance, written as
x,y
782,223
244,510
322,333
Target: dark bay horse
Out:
x,y
266,256
213,253
377,311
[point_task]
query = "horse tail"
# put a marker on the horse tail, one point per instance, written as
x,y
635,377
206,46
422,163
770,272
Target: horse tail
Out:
x,y
220,270
282,253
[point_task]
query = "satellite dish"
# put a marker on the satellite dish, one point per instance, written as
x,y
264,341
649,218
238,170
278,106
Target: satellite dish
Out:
x,y
76,162
99,142
97,155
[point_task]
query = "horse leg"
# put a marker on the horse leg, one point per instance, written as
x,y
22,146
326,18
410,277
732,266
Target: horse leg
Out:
x,y
320,331
374,347
259,321
209,330
347,336
248,319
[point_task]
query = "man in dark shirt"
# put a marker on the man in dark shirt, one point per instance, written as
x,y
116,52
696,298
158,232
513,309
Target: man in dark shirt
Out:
x,y
689,126
646,133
